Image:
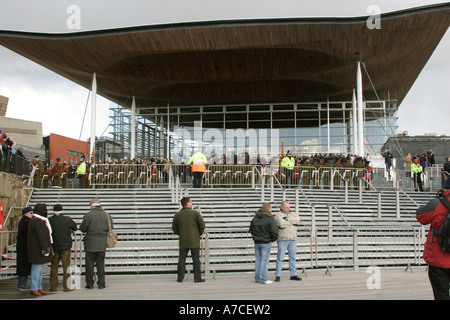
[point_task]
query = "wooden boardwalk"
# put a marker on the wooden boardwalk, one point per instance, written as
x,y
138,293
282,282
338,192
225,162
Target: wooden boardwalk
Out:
x,y
338,284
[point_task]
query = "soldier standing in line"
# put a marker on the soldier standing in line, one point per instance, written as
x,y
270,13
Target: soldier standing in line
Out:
x,y
64,175
56,173
38,172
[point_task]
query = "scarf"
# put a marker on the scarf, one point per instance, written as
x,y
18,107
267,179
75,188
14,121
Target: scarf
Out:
x,y
47,223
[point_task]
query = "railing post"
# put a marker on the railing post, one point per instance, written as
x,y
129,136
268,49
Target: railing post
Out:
x,y
397,200
346,191
355,251
360,190
379,205
272,196
262,188
207,265
297,209
313,232
330,223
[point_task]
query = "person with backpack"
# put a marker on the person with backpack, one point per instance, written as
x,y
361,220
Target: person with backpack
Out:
x,y
437,246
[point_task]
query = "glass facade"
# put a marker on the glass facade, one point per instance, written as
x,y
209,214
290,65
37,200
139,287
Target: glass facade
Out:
x,y
302,128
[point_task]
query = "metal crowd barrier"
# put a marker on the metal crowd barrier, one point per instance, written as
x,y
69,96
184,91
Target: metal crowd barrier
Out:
x,y
154,251
228,176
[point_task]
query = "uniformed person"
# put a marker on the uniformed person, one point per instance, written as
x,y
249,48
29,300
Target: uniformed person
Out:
x,y
198,161
416,169
38,172
56,173
81,172
288,164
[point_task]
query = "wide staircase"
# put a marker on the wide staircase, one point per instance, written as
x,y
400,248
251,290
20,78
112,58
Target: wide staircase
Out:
x,y
379,227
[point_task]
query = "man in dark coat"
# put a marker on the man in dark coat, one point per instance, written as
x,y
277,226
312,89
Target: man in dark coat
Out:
x,y
189,225
62,229
23,268
39,245
95,225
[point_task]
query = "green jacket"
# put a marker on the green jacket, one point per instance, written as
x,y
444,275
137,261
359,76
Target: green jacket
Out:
x,y
189,225
95,225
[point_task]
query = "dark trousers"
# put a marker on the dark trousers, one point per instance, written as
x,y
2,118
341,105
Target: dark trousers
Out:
x,y
81,180
198,176
95,259
439,280
181,269
418,181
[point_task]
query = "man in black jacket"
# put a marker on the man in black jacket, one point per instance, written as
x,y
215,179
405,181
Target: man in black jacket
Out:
x,y
264,231
62,229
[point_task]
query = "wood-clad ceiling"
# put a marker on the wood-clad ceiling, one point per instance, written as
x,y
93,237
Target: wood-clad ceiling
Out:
x,y
284,60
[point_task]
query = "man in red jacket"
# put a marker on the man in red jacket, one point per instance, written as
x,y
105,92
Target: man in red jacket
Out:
x,y
438,260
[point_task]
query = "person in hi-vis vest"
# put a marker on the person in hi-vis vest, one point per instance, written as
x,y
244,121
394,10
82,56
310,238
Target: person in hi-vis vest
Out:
x,y
198,161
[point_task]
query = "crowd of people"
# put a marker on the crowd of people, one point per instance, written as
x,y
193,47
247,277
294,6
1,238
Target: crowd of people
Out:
x,y
8,154
42,240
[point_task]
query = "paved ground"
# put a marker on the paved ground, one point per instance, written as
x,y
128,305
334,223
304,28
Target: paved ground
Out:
x,y
386,283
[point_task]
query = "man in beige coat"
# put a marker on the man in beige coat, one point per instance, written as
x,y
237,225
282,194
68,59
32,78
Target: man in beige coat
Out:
x,y
287,222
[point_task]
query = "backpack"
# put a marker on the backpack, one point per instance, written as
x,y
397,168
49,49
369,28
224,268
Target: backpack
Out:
x,y
443,235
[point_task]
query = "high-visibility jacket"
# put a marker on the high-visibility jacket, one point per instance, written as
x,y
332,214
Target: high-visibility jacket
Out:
x,y
198,161
288,163
416,168
81,168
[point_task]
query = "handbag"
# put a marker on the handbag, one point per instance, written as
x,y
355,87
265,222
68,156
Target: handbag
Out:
x,y
111,237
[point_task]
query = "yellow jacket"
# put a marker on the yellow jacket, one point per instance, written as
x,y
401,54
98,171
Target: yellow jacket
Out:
x,y
198,161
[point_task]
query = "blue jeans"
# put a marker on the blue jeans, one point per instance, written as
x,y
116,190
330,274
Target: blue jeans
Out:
x,y
262,255
291,247
36,277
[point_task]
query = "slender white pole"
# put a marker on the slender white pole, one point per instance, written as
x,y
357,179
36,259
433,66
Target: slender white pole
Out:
x,y
360,110
133,129
354,124
168,135
93,118
328,126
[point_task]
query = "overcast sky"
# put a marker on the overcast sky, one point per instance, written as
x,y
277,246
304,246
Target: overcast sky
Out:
x,y
40,95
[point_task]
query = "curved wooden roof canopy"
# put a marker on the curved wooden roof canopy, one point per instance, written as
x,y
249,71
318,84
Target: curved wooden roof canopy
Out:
x,y
233,62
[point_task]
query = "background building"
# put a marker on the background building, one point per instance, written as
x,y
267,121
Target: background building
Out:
x,y
68,149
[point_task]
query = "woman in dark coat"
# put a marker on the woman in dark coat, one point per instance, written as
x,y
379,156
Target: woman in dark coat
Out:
x,y
39,247
23,268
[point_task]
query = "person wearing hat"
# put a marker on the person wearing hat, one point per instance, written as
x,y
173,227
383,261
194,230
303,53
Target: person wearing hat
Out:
x,y
23,268
288,163
416,169
39,245
81,172
37,172
95,226
56,173
62,229
433,213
